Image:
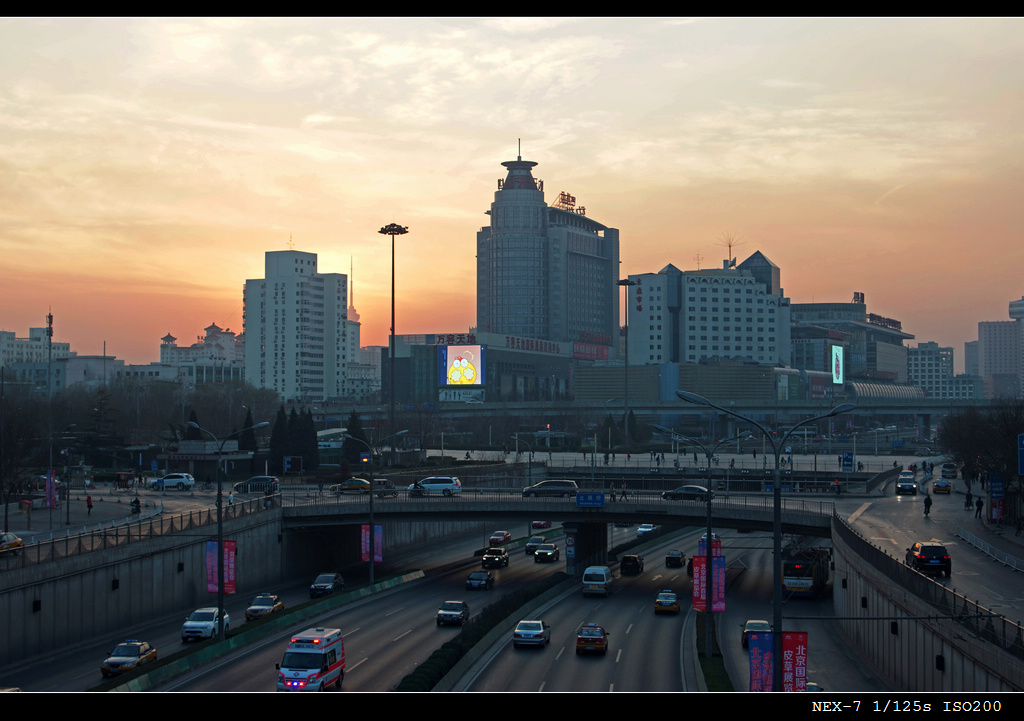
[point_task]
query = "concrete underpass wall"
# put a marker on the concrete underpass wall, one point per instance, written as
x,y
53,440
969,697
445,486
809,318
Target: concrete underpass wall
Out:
x,y
118,590
871,589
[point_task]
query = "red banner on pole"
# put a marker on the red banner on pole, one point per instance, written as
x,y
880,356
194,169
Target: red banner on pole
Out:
x,y
794,660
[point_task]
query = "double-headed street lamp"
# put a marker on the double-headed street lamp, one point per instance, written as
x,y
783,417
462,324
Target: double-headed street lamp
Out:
x,y
373,539
776,515
709,583
220,516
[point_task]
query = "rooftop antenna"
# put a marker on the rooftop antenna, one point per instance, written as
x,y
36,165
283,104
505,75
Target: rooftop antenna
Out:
x,y
730,241
519,149
291,245
697,258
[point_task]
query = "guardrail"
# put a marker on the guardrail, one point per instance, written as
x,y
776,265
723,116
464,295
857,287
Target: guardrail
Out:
x,y
128,531
988,549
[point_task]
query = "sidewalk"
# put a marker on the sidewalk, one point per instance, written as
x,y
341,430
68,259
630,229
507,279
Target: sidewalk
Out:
x,y
44,522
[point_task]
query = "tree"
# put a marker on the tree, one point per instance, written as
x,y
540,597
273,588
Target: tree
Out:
x,y
22,443
279,441
351,450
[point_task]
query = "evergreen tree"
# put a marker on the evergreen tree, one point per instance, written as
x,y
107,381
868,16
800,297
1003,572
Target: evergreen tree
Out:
x,y
351,450
192,433
247,439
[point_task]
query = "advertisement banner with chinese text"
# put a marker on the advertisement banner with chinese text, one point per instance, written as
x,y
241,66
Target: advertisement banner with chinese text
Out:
x,y
229,566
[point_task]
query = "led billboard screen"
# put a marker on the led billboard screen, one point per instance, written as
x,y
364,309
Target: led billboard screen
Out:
x,y
461,365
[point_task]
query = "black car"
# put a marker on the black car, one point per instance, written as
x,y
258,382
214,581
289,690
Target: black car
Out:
x,y
258,484
326,583
674,559
534,543
631,564
687,493
480,579
453,612
928,557
495,558
546,553
560,489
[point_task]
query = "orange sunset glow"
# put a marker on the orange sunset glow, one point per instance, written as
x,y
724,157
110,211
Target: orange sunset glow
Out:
x,y
147,165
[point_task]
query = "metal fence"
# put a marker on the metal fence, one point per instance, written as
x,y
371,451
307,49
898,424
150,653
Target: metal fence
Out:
x,y
112,534
974,618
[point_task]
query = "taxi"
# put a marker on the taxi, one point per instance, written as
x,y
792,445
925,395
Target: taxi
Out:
x,y
666,602
127,656
941,485
9,543
591,638
263,605
352,485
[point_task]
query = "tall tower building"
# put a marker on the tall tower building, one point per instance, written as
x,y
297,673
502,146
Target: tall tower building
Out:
x,y
545,272
296,328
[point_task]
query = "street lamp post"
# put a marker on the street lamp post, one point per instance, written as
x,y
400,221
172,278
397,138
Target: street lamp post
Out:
x,y
220,516
393,229
776,515
709,583
373,540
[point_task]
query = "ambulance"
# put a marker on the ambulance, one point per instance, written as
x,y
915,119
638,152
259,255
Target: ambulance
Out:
x,y
314,660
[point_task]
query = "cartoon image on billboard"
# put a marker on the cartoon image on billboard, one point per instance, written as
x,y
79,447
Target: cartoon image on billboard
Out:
x,y
461,365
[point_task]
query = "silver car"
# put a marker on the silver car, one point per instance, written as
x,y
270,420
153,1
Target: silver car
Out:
x,y
531,633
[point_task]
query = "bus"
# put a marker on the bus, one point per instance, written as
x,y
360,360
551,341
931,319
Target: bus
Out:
x,y
805,571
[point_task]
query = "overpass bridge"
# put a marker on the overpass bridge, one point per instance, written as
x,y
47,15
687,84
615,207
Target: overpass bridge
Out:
x,y
584,518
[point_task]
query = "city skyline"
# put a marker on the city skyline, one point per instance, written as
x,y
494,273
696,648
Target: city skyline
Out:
x,y
149,164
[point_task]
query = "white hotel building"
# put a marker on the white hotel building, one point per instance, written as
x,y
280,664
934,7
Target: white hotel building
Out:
x,y
297,333
729,314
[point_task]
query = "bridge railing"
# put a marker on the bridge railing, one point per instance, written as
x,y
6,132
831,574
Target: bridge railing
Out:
x,y
109,534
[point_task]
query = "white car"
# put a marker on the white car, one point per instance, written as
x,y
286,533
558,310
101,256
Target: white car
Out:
x,y
202,624
644,529
180,481
436,486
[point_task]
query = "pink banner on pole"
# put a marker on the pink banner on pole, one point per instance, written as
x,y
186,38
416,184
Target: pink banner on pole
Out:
x,y
230,549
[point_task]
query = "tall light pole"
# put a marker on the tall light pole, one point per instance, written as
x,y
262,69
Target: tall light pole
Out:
x,y
393,229
626,283
776,515
220,517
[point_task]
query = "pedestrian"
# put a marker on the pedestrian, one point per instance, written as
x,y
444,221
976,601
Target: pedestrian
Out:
x,y
88,505
622,490
968,501
979,504
764,461
611,491
231,497
658,461
694,459
606,459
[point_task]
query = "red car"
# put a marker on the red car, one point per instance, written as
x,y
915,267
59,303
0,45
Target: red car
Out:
x,y
500,537
540,524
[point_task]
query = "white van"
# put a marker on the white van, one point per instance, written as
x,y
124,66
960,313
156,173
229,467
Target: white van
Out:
x,y
313,661
597,581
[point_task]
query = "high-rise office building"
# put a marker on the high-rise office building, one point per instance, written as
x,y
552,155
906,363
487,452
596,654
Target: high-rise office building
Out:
x,y
545,272
999,357
296,328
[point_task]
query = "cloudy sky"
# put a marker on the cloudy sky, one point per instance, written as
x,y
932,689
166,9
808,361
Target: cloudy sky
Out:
x,y
147,165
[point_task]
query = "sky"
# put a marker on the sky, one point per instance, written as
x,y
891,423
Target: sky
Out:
x,y
146,165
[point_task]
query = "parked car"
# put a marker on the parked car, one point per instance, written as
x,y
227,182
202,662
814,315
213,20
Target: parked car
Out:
x,y
127,656
533,543
500,537
494,558
480,579
203,623
547,553
326,583
436,486
179,481
928,557
674,559
631,564
453,612
557,488
687,493
258,484
531,633
755,625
